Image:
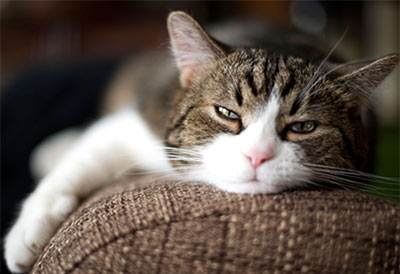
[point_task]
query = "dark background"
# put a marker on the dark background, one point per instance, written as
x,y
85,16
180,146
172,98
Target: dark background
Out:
x,y
57,57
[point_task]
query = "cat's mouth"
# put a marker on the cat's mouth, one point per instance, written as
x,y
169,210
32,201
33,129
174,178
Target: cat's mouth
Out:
x,y
251,183
253,180
255,186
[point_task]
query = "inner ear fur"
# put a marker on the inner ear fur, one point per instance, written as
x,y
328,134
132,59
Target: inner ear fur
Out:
x,y
191,45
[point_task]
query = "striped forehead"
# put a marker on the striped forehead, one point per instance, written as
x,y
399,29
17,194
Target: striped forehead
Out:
x,y
260,76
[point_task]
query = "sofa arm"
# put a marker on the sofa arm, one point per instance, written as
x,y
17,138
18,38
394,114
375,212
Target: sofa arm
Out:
x,y
193,228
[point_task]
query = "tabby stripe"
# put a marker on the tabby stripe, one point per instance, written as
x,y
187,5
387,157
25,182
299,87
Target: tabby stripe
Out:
x,y
250,75
239,96
263,79
274,70
295,106
289,86
180,121
264,73
347,142
250,81
296,103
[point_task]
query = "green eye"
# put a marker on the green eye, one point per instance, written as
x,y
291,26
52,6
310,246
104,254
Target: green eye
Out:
x,y
303,127
226,113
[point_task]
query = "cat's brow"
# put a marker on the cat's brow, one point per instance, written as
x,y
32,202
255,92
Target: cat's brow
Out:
x,y
290,83
238,95
295,106
263,71
238,91
272,69
250,79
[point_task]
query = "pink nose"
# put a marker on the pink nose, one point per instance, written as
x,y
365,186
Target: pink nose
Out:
x,y
258,157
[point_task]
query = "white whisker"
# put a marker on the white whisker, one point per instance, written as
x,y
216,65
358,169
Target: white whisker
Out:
x,y
353,173
311,84
348,184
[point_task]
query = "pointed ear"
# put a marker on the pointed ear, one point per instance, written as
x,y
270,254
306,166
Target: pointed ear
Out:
x,y
191,45
367,75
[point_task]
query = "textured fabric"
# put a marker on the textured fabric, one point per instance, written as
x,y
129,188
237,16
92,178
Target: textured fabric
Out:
x,y
192,228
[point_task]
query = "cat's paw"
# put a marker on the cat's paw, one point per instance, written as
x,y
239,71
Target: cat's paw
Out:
x,y
34,228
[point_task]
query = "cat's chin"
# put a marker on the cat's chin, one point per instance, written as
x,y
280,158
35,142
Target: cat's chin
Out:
x,y
250,187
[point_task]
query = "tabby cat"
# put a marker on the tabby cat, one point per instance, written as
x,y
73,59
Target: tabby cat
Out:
x,y
245,119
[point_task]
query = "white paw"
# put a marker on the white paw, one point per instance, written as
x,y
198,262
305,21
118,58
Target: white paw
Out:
x,y
34,228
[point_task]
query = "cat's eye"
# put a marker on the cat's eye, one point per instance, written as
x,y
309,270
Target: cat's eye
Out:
x,y
226,113
303,127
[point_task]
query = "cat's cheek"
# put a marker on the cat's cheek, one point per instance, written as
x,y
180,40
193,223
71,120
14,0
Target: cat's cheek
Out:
x,y
286,170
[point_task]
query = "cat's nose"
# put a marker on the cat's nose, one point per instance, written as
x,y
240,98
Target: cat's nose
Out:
x,y
258,157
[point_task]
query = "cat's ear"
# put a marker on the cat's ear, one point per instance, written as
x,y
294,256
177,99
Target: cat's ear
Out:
x,y
367,75
191,45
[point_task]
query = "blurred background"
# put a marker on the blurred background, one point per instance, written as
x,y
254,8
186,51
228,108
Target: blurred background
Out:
x,y
58,53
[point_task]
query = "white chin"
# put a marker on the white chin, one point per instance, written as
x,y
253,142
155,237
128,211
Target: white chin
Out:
x,y
251,187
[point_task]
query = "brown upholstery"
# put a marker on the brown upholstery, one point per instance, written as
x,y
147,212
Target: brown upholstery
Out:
x,y
192,228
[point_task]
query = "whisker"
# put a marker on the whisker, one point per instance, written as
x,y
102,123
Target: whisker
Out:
x,y
155,171
314,77
353,173
333,70
163,178
325,88
187,159
348,181
175,149
353,185
234,83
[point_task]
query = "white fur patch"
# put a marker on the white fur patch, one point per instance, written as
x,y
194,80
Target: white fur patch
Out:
x,y
107,148
225,165
47,155
275,90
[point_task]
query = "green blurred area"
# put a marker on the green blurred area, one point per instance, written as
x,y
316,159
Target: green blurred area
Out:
x,y
387,164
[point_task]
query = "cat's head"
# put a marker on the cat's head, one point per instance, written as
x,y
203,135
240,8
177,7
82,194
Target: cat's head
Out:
x,y
251,120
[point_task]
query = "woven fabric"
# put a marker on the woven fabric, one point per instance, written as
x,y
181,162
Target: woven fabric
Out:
x,y
193,228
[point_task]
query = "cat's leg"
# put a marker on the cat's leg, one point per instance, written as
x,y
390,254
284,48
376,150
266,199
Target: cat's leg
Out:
x,y
47,155
108,147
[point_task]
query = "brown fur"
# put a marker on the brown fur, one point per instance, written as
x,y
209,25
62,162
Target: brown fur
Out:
x,y
242,81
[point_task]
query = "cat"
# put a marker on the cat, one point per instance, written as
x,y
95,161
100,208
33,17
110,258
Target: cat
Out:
x,y
244,119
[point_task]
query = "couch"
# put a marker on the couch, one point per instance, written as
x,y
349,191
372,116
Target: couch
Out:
x,y
168,227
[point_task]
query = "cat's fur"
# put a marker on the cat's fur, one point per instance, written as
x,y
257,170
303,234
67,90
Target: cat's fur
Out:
x,y
230,119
